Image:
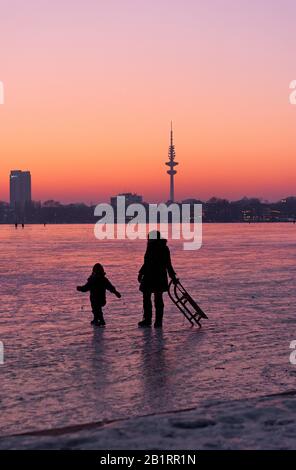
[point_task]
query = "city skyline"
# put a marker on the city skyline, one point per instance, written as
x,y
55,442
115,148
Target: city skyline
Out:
x,y
20,192
87,108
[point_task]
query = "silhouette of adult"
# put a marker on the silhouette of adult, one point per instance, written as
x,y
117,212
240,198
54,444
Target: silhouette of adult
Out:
x,y
153,278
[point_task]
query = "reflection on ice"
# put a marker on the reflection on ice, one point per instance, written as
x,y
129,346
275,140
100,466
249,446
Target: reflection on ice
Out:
x,y
59,371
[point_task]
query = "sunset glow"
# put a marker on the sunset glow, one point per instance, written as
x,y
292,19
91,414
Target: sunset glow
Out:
x,y
91,88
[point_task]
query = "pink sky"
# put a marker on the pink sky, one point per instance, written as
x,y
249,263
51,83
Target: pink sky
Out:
x,y
91,87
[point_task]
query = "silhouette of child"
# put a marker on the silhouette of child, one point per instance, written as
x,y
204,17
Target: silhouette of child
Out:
x,y
97,284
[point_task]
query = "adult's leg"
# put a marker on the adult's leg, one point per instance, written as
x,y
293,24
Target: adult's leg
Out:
x,y
159,306
147,306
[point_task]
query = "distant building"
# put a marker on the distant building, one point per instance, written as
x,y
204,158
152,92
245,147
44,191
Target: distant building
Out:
x,y
171,164
130,198
20,188
191,201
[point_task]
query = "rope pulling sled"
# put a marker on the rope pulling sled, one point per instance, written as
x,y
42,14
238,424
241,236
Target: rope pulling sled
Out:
x,y
185,303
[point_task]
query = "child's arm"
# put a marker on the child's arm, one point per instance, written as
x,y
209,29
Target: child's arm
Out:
x,y
84,288
112,289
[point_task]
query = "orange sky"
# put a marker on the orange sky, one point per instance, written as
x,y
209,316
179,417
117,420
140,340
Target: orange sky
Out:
x,y
91,87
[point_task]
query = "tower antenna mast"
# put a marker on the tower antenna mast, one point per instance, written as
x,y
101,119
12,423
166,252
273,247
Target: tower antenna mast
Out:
x,y
171,164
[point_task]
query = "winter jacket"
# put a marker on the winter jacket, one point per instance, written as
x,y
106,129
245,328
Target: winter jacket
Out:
x,y
97,286
157,264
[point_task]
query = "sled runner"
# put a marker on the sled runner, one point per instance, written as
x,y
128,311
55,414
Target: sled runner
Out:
x,y
185,303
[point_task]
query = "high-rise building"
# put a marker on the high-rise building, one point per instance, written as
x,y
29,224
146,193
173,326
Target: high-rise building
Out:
x,y
20,188
171,163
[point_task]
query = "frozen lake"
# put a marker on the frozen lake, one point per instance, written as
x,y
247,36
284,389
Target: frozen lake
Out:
x,y
61,372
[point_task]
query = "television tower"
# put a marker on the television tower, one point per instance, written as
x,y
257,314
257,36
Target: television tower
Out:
x,y
171,163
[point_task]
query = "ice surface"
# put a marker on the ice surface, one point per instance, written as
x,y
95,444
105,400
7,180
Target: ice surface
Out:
x,y
257,424
60,372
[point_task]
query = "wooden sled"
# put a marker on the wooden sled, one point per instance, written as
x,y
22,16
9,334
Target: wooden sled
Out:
x,y
185,303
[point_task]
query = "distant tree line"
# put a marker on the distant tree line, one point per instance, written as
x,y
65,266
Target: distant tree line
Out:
x,y
214,210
